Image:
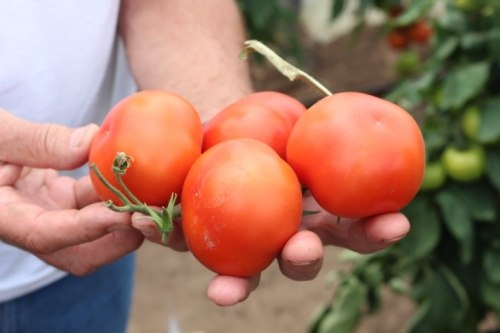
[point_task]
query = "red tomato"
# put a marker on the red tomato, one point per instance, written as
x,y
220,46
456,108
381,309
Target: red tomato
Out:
x,y
359,155
397,39
162,133
420,32
240,204
266,116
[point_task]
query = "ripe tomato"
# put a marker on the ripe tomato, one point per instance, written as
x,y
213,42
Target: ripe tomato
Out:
x,y
464,165
162,133
267,116
240,204
397,40
420,32
359,155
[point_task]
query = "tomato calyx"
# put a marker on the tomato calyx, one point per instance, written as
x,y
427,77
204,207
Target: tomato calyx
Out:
x,y
163,218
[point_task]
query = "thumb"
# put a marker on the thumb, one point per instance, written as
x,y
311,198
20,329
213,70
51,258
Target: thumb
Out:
x,y
43,145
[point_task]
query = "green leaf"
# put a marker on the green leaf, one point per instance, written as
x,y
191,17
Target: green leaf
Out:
x,y
489,127
444,305
425,229
493,167
445,49
457,218
490,293
347,308
337,8
463,83
491,265
415,11
479,199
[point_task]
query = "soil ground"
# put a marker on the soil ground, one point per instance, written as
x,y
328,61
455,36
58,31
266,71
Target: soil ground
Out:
x,y
173,285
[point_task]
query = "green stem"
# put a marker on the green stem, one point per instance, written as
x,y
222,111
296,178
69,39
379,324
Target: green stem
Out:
x,y
121,163
163,218
285,68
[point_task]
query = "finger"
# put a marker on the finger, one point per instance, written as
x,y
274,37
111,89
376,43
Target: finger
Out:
x,y
9,173
85,258
85,193
37,230
302,256
366,235
43,145
152,233
378,232
231,290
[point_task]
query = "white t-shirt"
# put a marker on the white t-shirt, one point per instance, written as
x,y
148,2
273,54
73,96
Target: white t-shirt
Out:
x,y
60,62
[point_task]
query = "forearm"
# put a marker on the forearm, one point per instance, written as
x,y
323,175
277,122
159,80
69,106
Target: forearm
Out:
x,y
189,47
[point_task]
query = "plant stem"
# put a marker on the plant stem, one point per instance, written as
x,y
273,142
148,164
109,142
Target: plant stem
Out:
x,y
285,68
163,218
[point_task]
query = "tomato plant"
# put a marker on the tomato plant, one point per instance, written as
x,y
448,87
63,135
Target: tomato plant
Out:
x,y
160,132
267,116
369,150
240,203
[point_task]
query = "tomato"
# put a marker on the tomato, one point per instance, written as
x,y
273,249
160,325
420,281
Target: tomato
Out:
x,y
470,121
464,165
240,204
420,32
266,116
359,155
397,40
161,132
434,176
408,63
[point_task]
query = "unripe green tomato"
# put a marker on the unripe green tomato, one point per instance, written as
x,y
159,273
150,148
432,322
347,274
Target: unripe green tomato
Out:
x,y
464,165
470,121
434,176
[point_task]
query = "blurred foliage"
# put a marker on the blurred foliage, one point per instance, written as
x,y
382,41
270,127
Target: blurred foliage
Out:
x,y
274,23
449,66
449,264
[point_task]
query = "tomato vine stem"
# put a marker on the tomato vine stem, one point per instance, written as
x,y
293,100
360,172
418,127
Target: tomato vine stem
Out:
x,y
284,67
163,218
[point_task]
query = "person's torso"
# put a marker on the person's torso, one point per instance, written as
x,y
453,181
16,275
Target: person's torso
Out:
x,y
60,62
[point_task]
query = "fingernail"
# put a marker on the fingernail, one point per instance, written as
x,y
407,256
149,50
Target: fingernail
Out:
x,y
395,239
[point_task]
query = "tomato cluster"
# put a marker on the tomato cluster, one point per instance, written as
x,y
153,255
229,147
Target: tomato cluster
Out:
x,y
240,177
402,36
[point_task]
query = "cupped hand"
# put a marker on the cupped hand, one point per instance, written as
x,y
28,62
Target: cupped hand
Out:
x,y
59,219
302,256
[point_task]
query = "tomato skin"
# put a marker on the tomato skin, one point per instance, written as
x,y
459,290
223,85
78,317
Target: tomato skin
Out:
x,y
420,32
471,121
397,40
359,155
162,132
240,204
266,116
464,165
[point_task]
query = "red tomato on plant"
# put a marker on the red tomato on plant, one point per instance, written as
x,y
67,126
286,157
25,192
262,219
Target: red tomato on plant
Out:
x,y
240,204
359,155
397,39
266,116
420,32
161,132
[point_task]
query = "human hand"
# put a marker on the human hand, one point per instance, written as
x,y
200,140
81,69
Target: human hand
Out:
x,y
59,219
302,256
